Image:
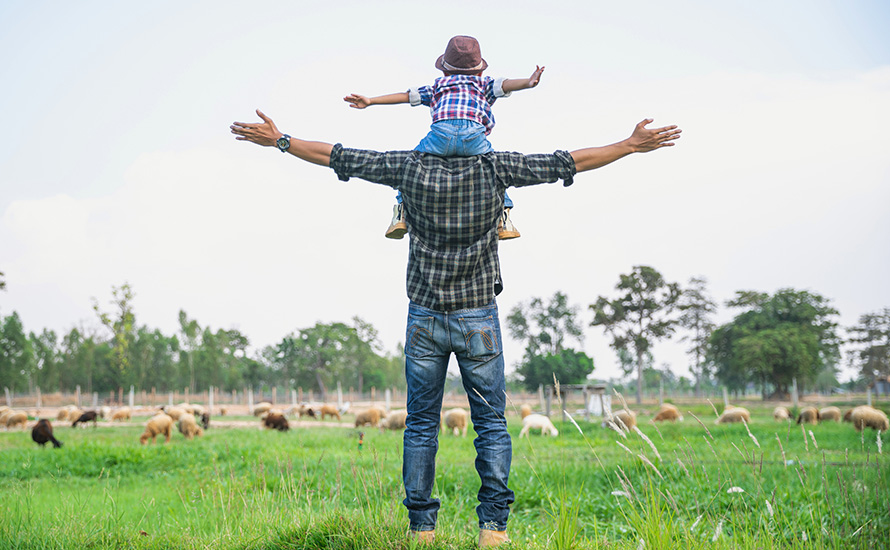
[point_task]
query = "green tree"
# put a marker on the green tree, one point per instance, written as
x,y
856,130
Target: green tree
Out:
x,y
121,322
568,366
781,337
697,311
189,332
2,281
545,327
871,341
642,314
16,353
46,362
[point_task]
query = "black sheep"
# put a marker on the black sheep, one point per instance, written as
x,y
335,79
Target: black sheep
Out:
x,y
205,420
89,416
276,422
43,432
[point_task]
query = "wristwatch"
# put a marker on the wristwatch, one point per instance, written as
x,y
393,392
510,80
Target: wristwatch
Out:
x,y
283,143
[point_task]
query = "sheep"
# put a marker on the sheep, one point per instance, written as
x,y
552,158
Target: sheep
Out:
x,y
276,421
734,414
121,414
301,410
104,412
4,416
370,417
456,421
89,416
869,417
261,408
159,424
668,413
43,433
16,418
538,421
223,411
829,414
809,415
622,419
781,414
205,420
174,412
329,410
525,410
848,416
188,427
394,420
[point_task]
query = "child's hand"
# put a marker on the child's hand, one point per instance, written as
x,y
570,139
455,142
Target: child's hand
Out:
x,y
357,101
535,77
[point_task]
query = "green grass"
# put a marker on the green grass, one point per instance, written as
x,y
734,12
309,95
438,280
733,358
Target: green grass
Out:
x,y
313,488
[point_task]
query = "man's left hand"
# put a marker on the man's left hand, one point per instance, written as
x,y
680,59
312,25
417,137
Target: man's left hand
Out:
x,y
265,133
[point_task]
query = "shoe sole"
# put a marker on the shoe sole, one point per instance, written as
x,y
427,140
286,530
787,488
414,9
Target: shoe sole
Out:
x,y
397,231
507,235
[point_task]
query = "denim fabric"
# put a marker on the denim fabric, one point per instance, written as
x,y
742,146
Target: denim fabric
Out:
x,y
474,336
456,138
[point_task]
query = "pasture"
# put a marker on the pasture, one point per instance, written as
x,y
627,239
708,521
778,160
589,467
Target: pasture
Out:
x,y
692,485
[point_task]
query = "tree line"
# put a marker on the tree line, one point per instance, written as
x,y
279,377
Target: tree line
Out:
x,y
773,340
122,353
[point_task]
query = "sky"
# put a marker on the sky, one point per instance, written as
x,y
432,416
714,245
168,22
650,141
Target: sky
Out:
x,y
117,165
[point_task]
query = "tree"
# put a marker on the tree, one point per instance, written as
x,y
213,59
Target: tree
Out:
x,y
121,323
781,337
697,311
641,315
568,366
189,331
46,364
544,327
16,353
2,281
871,338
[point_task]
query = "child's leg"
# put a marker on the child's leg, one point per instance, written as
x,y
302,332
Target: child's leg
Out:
x,y
397,227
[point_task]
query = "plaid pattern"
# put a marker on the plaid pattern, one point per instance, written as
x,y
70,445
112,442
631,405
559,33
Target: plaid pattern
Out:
x,y
461,97
452,210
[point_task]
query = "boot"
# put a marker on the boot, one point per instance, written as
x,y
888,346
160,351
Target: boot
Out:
x,y
506,229
423,536
490,539
397,227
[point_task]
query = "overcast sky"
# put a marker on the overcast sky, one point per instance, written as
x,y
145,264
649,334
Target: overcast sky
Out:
x,y
117,165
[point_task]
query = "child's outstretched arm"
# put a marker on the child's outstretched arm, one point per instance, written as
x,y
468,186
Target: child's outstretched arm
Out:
x,y
360,102
513,84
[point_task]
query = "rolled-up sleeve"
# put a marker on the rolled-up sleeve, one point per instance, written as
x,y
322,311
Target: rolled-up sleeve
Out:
x,y
518,170
373,166
420,96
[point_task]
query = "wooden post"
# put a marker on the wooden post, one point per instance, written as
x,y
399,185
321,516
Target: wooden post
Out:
x,y
210,401
725,398
77,396
794,392
300,395
586,403
868,397
274,395
250,401
388,399
132,396
38,397
8,397
339,396
541,403
95,399
153,394
660,392
170,399
373,394
293,397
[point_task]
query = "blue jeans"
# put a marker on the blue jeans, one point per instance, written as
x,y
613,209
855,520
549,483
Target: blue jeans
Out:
x,y
456,138
474,336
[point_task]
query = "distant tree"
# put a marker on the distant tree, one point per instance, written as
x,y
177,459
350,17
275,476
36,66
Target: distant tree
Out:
x,y
121,323
46,363
871,341
781,337
568,367
16,353
2,281
642,314
189,339
697,311
544,327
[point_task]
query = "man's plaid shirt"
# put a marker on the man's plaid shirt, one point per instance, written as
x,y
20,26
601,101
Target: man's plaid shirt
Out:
x,y
452,209
465,97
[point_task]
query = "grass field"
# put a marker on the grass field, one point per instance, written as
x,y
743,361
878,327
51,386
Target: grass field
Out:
x,y
687,485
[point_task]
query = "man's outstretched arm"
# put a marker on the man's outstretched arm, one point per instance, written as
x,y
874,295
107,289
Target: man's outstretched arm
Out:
x,y
642,140
266,134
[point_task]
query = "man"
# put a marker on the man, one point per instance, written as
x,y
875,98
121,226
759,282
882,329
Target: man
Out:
x,y
453,206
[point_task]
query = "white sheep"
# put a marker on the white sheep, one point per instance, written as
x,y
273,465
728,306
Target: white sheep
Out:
x,y
864,416
734,414
668,413
623,419
370,417
189,427
830,414
16,418
781,414
160,424
261,408
394,420
456,421
538,422
121,414
809,415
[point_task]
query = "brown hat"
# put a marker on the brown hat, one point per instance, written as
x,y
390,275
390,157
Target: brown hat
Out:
x,y
462,56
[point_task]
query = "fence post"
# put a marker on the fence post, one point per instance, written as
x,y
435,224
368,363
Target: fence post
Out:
x,y
8,397
39,400
388,398
274,395
725,398
293,398
541,403
339,396
794,392
868,396
170,398
210,401
77,396
250,400
95,399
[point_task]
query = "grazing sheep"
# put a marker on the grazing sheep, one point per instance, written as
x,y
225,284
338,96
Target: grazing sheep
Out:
x,y
456,421
261,408
42,433
329,410
198,410
394,420
4,416
848,416
302,410
276,421
623,419
223,411
734,414
668,413
104,412
205,420
525,410
370,417
159,424
62,414
869,417
830,414
89,416
121,414
809,415
188,427
16,418
174,412
538,421
781,413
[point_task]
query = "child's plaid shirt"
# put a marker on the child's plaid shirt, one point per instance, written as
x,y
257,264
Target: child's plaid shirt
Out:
x,y
460,97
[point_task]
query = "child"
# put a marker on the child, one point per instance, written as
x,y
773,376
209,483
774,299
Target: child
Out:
x,y
460,104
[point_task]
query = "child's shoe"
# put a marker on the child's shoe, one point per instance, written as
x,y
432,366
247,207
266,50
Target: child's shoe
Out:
x,y
506,229
398,227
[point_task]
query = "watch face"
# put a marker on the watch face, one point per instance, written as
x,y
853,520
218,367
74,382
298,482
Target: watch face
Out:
x,y
283,143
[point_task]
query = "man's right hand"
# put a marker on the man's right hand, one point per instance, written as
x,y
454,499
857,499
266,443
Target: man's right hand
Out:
x,y
264,133
643,139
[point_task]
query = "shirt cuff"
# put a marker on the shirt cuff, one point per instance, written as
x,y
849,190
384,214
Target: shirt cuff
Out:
x,y
336,152
569,168
414,96
498,88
